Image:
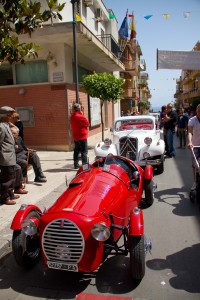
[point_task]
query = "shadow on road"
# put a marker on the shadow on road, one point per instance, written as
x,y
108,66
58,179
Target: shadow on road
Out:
x,y
185,267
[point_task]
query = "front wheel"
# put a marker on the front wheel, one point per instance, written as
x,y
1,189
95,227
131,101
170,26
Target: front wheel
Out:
x,y
137,257
26,249
148,191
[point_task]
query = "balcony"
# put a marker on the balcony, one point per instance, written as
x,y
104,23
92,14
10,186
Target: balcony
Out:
x,y
129,93
191,94
111,44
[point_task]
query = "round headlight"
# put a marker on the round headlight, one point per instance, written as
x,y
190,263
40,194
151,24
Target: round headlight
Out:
x,y
29,227
148,141
100,232
146,155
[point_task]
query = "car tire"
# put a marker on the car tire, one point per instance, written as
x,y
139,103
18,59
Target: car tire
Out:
x,y
193,194
137,257
26,249
148,192
160,168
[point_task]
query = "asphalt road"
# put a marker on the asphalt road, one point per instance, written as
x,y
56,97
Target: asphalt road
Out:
x,y
172,269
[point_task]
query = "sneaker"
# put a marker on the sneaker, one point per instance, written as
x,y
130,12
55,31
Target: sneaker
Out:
x,y
193,186
76,167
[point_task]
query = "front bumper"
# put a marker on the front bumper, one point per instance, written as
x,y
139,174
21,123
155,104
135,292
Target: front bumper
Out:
x,y
152,162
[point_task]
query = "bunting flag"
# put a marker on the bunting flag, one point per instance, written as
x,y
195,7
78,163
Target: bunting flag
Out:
x,y
78,18
123,31
132,28
111,15
166,16
186,14
148,17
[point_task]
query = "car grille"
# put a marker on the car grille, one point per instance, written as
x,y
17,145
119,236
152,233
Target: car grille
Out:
x,y
63,241
128,147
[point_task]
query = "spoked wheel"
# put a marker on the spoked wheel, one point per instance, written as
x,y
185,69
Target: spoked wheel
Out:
x,y
26,249
148,192
137,257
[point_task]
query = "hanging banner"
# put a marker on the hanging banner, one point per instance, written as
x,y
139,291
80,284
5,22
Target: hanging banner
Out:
x,y
183,60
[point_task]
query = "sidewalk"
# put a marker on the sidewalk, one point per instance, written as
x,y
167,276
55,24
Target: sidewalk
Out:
x,y
57,166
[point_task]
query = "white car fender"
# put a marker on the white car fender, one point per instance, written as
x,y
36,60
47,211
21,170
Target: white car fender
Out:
x,y
101,150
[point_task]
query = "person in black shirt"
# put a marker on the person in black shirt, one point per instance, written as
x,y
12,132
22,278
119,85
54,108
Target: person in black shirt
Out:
x,y
170,121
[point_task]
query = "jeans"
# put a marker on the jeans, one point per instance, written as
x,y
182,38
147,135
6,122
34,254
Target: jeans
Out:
x,y
170,141
81,146
182,136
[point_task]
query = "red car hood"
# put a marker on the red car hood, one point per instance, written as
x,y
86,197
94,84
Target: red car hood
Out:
x,y
89,193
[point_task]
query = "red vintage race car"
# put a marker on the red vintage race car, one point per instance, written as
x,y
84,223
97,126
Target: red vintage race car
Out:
x,y
77,233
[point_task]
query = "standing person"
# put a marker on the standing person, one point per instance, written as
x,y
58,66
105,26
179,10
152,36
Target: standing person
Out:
x,y
7,158
162,115
170,121
17,122
182,123
79,126
27,156
194,138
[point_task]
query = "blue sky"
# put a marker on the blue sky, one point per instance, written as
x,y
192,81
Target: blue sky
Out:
x,y
175,33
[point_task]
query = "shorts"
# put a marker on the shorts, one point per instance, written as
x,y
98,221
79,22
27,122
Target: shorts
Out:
x,y
197,154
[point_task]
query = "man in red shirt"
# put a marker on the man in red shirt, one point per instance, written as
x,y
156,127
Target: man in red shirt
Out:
x,y
79,126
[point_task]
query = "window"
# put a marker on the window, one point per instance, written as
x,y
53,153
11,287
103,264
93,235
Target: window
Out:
x,y
32,72
6,74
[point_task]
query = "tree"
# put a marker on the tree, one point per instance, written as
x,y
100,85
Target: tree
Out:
x,y
22,17
104,86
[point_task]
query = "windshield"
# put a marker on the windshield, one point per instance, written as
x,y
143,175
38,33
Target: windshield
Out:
x,y
134,124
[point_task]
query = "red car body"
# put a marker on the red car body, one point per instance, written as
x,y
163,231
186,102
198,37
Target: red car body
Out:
x,y
68,234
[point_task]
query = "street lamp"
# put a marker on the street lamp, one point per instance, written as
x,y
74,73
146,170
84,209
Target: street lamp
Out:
x,y
75,47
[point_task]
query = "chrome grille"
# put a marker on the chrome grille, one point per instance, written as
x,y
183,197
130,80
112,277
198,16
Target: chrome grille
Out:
x,y
128,147
63,241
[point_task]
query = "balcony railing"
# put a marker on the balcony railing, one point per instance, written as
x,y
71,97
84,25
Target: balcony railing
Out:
x,y
111,44
191,94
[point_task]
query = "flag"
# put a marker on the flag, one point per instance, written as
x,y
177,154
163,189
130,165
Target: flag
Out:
x,y
132,28
123,31
111,15
166,16
78,18
148,17
186,14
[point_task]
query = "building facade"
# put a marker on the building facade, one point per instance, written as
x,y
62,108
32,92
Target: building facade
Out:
x,y
43,90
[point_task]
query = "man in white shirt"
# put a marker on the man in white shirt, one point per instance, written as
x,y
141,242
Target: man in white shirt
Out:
x,y
194,138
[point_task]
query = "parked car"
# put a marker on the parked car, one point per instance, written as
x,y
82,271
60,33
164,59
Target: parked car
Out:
x,y
100,205
157,117
137,138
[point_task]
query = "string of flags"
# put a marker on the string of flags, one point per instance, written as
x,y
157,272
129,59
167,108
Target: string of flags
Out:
x,y
166,16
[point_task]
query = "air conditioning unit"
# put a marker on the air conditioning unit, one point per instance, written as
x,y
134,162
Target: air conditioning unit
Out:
x,y
99,14
88,2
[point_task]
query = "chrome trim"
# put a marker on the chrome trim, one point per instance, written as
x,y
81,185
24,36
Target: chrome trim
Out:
x,y
63,241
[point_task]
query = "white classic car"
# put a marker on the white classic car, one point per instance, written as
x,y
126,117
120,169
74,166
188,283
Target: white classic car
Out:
x,y
137,138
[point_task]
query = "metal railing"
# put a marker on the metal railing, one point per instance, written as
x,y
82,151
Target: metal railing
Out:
x,y
111,44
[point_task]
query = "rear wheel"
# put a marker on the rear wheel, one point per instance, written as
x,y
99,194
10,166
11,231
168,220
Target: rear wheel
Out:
x,y
137,256
26,249
148,191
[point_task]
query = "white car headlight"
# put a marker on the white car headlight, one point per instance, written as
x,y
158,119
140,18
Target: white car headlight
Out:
x,y
100,232
148,141
29,227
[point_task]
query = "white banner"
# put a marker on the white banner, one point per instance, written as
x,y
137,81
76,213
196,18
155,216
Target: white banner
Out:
x,y
183,60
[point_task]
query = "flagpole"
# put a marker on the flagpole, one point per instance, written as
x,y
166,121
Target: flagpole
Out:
x,y
75,48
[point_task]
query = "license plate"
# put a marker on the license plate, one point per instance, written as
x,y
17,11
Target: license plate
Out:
x,y
62,266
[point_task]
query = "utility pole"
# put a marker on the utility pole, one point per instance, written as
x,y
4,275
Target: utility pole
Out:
x,y
75,48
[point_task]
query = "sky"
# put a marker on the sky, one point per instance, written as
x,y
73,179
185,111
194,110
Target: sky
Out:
x,y
176,33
